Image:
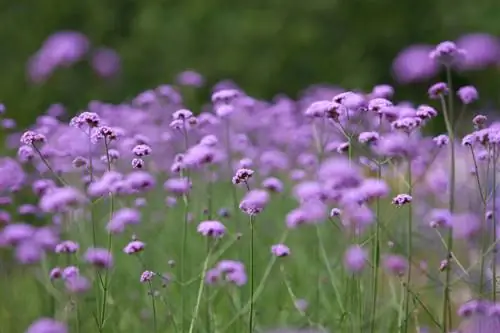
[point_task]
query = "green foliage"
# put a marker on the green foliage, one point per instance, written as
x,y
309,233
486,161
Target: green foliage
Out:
x,y
267,46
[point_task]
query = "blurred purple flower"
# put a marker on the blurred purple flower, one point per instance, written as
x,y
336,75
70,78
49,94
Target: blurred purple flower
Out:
x,y
413,64
106,62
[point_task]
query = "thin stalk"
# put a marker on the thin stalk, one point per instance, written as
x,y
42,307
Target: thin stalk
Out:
x,y
409,247
183,263
376,256
200,291
109,246
447,112
494,223
252,274
47,164
153,304
208,307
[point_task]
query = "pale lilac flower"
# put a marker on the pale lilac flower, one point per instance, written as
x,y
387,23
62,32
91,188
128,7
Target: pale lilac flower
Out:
x,y
67,247
437,90
101,258
69,272
272,184
55,273
134,247
441,140
77,284
254,202
402,199
395,264
177,186
355,258
47,325
468,94
147,276
242,176
213,229
280,250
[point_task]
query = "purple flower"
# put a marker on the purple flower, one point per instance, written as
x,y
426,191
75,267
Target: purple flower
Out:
x,y
441,140
228,266
402,199
335,212
254,202
29,252
280,250
41,186
468,94
413,64
85,120
25,154
239,278
61,200
272,184
147,276
425,112
479,121
437,90
327,109
137,163
199,155
225,96
355,258
31,138
13,234
134,247
377,105
141,150
55,273
67,247
178,186
101,258
47,325
368,137
77,284
190,78
382,91
242,176
212,276
447,53
482,50
69,272
440,218
395,264
123,218
213,229
106,62
472,307
465,225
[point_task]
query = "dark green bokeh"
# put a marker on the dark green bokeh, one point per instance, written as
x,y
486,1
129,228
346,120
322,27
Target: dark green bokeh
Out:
x,y
266,46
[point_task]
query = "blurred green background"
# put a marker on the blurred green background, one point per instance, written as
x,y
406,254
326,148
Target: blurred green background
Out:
x,y
266,46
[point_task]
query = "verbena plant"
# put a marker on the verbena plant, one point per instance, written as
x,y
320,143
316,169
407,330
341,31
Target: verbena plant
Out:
x,y
333,213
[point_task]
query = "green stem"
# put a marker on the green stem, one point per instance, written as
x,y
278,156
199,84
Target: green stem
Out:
x,y
494,223
447,112
200,292
183,263
376,256
252,275
409,248
109,247
153,304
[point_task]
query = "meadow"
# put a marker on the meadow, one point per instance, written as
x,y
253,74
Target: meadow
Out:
x,y
335,212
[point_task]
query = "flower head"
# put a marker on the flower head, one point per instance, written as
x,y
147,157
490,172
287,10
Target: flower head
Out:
x,y
213,229
101,258
280,250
